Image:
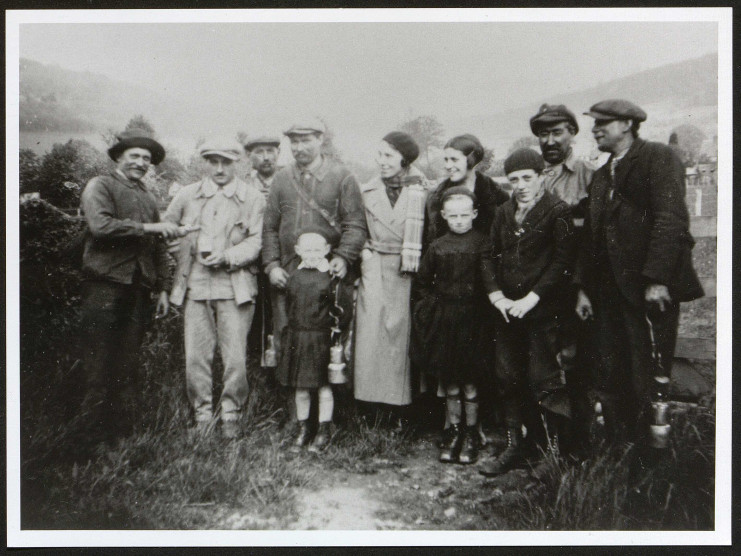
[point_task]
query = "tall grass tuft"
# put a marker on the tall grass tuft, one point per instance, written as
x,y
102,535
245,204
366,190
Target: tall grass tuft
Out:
x,y
629,486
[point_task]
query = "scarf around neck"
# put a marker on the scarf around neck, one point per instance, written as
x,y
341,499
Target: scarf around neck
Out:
x,y
523,209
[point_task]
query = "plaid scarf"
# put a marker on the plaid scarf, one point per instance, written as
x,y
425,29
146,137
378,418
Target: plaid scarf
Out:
x,y
411,247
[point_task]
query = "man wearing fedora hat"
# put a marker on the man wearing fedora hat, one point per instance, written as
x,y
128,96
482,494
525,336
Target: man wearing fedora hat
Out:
x,y
318,191
635,265
215,277
123,263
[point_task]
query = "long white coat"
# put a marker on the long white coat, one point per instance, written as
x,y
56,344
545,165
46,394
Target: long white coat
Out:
x,y
383,313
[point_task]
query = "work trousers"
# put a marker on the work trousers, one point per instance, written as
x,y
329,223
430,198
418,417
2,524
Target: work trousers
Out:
x,y
114,320
623,366
527,367
207,323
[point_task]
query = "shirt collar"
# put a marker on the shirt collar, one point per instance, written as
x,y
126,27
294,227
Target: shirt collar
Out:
x,y
322,266
120,176
568,162
209,188
317,168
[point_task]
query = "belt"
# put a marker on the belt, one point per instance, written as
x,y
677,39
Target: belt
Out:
x,y
385,247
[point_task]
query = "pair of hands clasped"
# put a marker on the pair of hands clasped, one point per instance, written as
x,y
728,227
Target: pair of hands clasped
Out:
x,y
279,277
510,308
656,294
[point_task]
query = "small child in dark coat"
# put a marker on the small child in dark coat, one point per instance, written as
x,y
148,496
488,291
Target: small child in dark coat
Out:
x,y
306,339
455,274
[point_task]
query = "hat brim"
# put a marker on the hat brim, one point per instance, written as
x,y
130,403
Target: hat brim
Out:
x,y
156,150
250,146
301,131
543,121
224,154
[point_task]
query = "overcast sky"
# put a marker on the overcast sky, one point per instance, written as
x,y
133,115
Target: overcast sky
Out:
x,y
362,76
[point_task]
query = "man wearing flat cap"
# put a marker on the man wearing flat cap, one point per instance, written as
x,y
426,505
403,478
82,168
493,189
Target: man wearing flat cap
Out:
x,y
124,263
215,278
635,263
313,191
263,151
567,177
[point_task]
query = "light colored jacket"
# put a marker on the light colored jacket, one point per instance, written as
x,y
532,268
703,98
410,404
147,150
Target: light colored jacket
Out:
x,y
245,236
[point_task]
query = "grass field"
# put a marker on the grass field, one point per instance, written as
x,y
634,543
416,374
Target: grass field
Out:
x,y
166,477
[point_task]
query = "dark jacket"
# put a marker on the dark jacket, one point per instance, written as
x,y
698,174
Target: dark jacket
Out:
x,y
115,208
335,189
642,227
537,255
488,196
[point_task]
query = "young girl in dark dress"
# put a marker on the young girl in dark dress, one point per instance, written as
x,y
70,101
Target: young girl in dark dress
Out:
x,y
455,274
307,337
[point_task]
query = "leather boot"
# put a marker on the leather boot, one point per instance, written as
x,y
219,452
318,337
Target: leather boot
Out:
x,y
511,458
451,444
301,435
321,440
470,450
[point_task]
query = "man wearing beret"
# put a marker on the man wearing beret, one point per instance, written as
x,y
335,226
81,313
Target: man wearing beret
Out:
x,y
635,264
124,262
318,191
567,177
215,277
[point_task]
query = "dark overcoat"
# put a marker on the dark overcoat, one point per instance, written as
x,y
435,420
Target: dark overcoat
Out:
x,y
642,222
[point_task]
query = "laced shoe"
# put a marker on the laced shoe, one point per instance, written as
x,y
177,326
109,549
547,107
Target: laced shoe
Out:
x,y
451,444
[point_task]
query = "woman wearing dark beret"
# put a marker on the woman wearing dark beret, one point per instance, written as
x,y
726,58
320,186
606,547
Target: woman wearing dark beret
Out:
x,y
462,154
395,210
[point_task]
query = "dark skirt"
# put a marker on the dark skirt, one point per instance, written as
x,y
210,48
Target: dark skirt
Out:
x,y
453,336
304,358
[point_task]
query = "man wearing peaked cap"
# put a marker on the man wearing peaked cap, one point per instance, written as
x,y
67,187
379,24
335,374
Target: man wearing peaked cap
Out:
x,y
314,190
567,177
215,278
263,151
635,263
306,126
616,109
124,262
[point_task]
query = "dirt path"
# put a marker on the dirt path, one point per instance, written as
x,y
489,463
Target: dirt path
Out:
x,y
414,492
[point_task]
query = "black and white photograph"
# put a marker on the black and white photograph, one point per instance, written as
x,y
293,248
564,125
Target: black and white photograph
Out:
x,y
368,277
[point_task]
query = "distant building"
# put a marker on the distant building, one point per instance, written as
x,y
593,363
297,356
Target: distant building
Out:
x,y
702,189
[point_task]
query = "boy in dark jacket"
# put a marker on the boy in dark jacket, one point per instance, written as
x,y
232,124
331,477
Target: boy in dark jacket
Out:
x,y
533,248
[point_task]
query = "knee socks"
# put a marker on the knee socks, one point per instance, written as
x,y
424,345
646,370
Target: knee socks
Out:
x,y
326,404
303,403
453,406
471,406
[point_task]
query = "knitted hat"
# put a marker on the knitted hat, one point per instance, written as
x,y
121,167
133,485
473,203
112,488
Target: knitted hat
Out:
x,y
405,144
524,159
456,191
313,229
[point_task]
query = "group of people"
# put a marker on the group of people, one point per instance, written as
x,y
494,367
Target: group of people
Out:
x,y
555,294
